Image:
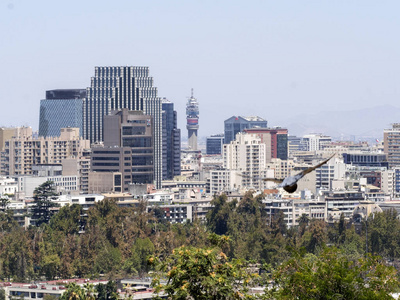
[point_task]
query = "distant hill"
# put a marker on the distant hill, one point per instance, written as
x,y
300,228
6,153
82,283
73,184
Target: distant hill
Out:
x,y
362,124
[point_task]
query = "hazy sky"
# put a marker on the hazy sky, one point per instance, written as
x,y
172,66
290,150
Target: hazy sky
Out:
x,y
273,59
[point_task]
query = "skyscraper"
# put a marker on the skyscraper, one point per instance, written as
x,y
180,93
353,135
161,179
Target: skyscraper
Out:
x,y
61,109
114,88
192,118
171,142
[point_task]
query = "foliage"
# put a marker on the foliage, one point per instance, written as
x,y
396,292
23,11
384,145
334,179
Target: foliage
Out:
x,y
141,249
107,291
7,222
384,234
68,220
333,276
76,292
49,297
43,196
202,273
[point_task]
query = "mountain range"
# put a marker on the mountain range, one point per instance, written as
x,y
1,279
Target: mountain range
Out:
x,y
362,124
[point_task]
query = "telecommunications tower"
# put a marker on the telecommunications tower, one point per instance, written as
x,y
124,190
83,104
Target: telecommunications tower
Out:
x,y
192,118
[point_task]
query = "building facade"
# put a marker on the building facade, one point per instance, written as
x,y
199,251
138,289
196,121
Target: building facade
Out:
x,y
246,154
61,109
315,142
110,160
366,159
171,142
391,145
133,129
6,134
114,88
23,151
214,144
236,124
276,140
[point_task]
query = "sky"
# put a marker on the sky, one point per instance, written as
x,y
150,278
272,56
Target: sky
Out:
x,y
274,59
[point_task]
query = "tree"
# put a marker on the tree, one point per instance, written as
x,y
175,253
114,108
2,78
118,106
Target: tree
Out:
x,y
203,273
68,220
4,202
107,291
42,198
137,262
218,216
333,276
75,292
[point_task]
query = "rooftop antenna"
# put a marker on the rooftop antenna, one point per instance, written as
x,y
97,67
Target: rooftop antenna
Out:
x,y
192,92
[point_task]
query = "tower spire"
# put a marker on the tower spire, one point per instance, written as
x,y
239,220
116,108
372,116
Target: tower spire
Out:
x,y
192,119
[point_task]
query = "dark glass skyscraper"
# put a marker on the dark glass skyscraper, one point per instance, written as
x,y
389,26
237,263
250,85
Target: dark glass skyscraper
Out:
x,y
114,88
61,109
171,142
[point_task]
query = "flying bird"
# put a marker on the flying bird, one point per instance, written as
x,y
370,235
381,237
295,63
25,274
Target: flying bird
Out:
x,y
289,184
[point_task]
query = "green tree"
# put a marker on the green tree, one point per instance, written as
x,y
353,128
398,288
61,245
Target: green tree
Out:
x,y
68,220
75,292
108,260
50,265
42,198
315,236
107,291
16,256
7,222
4,201
218,216
333,276
137,262
203,273
49,297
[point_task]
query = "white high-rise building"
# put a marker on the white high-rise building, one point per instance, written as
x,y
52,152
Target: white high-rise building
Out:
x,y
247,154
315,142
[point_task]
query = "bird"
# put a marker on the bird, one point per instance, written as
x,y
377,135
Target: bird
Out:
x,y
289,184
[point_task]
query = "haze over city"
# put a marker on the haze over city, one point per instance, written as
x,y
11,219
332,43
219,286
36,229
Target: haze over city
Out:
x,y
267,58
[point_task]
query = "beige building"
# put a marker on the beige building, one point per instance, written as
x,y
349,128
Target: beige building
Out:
x,y
105,182
6,134
247,154
391,145
23,151
79,166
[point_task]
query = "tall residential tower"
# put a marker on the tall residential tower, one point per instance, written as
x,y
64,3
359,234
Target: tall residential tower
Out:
x,y
192,118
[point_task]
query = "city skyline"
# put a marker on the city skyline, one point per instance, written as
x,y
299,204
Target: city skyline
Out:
x,y
281,59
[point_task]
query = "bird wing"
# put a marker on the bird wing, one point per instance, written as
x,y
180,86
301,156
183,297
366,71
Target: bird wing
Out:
x,y
306,171
276,180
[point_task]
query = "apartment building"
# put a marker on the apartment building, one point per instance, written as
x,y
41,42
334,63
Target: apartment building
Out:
x,y
24,151
246,154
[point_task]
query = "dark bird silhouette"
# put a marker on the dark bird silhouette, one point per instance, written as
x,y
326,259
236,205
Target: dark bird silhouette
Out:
x,y
289,184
